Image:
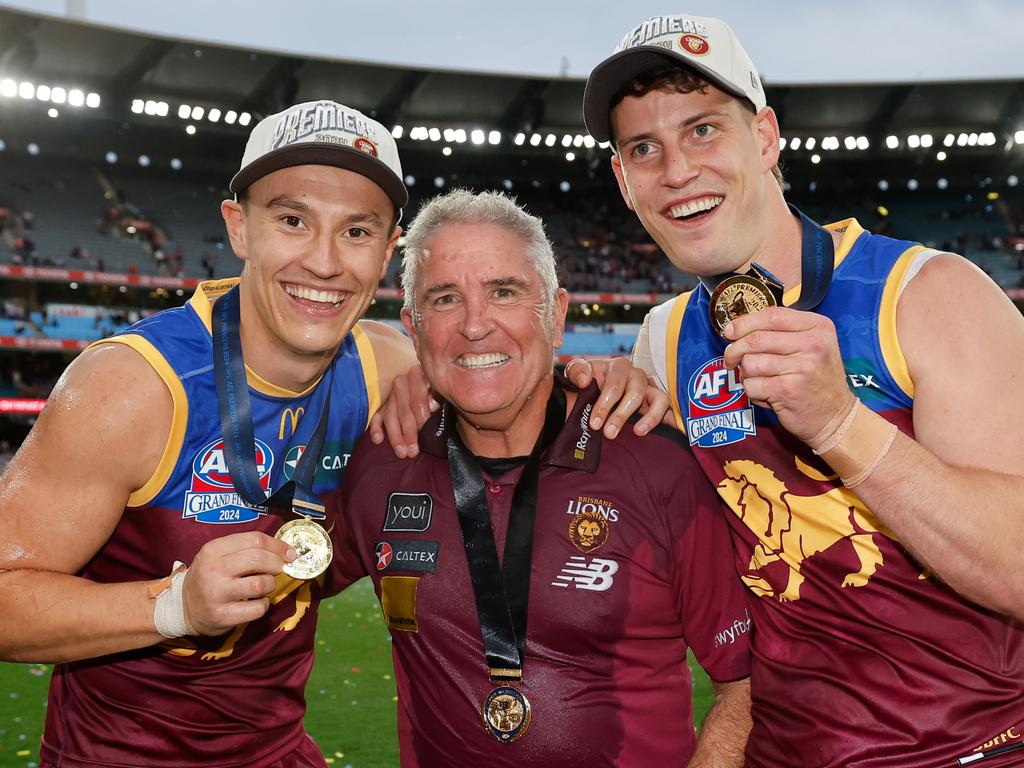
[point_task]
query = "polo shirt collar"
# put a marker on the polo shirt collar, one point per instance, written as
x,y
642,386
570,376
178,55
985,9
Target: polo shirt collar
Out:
x,y
576,447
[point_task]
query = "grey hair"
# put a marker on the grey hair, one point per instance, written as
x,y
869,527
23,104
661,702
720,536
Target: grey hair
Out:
x,y
461,206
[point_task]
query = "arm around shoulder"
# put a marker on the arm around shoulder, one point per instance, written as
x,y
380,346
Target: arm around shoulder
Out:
x,y
392,350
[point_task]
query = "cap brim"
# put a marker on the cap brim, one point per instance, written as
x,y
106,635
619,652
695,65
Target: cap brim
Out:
x,y
309,153
618,70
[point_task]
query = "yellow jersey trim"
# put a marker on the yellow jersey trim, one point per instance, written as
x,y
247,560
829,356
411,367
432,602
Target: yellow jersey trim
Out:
x,y
368,359
888,339
675,327
179,420
202,303
207,292
851,230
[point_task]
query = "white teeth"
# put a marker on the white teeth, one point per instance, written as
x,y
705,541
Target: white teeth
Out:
x,y
486,360
311,294
695,206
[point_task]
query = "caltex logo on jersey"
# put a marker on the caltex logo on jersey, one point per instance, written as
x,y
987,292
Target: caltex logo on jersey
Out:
x,y
384,554
718,410
291,460
212,497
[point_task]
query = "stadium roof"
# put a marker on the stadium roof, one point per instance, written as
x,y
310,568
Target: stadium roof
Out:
x,y
127,69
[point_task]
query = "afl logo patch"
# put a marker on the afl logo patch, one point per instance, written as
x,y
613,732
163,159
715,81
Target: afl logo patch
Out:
x,y
718,410
211,467
211,496
588,530
695,45
363,144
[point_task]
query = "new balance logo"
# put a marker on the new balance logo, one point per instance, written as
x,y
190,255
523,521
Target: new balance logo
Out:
x,y
595,575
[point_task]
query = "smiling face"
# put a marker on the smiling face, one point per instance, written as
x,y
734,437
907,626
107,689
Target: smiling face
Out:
x,y
316,241
483,332
697,170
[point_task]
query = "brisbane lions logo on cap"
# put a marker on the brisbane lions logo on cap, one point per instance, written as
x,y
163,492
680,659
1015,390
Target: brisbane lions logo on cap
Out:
x,y
363,144
695,45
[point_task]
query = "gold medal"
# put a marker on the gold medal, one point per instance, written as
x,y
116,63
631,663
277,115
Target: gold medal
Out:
x,y
737,296
312,543
507,714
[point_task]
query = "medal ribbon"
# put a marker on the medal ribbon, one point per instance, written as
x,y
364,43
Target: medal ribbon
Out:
x,y
817,260
501,593
236,422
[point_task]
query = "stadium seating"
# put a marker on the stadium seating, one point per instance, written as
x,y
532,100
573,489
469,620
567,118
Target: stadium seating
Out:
x,y
67,202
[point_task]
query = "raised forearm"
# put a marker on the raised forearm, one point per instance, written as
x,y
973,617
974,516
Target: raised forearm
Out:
x,y
964,524
53,617
723,737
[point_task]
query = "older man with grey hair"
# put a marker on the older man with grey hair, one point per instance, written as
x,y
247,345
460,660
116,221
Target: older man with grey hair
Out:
x,y
570,646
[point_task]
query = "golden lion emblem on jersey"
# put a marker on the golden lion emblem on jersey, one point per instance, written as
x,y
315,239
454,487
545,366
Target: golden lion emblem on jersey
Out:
x,y
765,504
284,585
588,530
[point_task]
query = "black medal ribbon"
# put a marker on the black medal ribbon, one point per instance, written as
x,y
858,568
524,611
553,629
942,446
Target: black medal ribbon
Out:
x,y
236,422
817,261
501,589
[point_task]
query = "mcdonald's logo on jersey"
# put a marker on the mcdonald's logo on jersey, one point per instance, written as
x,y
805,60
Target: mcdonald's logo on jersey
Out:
x,y
290,416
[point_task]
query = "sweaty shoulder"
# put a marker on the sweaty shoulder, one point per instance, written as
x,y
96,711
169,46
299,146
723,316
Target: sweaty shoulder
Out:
x,y
117,394
100,438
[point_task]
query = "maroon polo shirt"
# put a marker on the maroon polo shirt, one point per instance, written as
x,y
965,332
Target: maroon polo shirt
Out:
x,y
632,564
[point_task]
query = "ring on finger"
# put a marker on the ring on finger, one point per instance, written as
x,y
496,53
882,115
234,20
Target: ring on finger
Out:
x,y
575,360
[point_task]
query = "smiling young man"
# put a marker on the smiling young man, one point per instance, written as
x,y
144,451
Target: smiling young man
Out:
x,y
850,431
570,646
138,462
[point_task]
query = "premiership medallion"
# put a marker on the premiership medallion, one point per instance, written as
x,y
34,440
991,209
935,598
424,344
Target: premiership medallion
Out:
x,y
736,296
506,714
313,545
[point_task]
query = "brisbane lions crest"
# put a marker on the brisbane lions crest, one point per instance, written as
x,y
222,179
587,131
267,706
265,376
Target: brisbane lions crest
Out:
x,y
588,530
695,45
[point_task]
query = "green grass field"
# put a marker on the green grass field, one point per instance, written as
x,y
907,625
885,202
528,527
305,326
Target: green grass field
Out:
x,y
351,692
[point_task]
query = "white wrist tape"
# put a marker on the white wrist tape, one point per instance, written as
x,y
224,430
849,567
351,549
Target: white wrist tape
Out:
x,y
169,612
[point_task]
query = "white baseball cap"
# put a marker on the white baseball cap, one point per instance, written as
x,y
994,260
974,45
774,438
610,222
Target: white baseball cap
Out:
x,y
323,133
707,45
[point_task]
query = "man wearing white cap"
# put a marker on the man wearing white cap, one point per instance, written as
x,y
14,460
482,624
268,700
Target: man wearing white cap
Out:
x,y
813,374
193,438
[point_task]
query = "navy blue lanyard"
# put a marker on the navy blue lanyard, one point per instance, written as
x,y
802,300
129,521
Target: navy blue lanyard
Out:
x,y
236,422
817,260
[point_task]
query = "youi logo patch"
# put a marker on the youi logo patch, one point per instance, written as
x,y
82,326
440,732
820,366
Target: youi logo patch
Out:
x,y
718,409
212,497
408,512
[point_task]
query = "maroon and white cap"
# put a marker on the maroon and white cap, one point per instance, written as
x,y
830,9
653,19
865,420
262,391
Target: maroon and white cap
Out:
x,y
707,45
323,133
